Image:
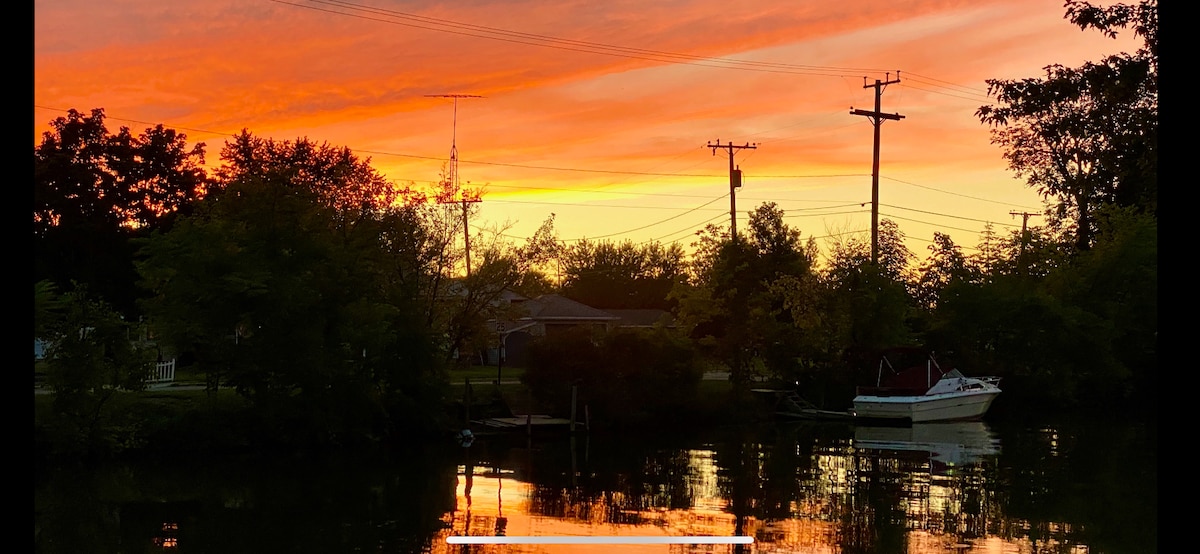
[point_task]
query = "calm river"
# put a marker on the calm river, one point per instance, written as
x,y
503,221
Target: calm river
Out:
x,y
801,487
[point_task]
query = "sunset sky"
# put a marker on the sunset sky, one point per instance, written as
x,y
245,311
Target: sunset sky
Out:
x,y
598,112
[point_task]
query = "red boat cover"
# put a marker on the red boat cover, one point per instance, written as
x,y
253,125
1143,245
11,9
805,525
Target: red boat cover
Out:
x,y
910,382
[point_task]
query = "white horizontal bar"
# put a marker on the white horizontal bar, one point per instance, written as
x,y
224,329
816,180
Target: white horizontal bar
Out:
x,y
459,539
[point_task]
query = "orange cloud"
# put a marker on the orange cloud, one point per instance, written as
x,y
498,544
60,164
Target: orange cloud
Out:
x,y
558,95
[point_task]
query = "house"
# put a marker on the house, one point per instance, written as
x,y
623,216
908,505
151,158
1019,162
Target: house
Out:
x,y
544,316
550,314
643,318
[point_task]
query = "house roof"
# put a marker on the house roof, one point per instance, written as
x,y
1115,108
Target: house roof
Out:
x,y
642,318
555,307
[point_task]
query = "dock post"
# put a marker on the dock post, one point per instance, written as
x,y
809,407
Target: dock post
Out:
x,y
574,393
467,411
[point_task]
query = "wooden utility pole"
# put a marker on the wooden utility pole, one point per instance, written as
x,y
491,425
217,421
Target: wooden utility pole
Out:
x,y
876,118
735,180
1024,237
467,199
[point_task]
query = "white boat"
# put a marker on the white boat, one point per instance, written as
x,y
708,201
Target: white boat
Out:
x,y
925,393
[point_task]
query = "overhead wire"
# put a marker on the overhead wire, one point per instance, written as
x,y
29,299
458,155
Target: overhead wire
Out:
x,y
690,230
946,84
589,170
548,41
635,193
531,39
956,193
948,215
656,222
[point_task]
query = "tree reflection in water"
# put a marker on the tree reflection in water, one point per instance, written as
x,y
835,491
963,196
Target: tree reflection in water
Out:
x,y
794,488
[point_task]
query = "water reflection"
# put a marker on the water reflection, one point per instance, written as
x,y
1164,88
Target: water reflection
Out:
x,y
947,444
794,488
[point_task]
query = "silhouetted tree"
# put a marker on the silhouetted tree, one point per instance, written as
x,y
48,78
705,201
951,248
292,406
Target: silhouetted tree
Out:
x,y
92,355
1087,136
605,274
946,264
870,304
749,302
95,193
303,290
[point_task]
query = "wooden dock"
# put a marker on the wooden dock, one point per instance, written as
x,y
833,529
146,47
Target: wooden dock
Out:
x,y
789,404
517,423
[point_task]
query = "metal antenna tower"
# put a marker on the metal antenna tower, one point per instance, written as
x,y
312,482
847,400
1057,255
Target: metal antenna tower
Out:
x,y
454,135
452,180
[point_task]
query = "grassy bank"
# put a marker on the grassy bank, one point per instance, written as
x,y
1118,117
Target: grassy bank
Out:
x,y
169,420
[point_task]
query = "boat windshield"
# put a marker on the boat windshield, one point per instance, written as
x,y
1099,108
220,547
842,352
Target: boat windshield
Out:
x,y
952,373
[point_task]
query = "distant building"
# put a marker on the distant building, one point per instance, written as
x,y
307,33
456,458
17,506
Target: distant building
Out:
x,y
551,314
643,319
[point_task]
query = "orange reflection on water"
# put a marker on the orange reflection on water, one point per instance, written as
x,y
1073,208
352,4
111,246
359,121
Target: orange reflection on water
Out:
x,y
495,495
849,497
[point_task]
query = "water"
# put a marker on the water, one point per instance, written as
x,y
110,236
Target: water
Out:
x,y
813,488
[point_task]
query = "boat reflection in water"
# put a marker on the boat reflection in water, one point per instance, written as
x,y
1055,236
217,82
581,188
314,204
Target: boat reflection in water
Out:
x,y
809,487
948,444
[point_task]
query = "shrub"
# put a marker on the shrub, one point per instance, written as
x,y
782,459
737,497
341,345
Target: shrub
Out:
x,y
625,377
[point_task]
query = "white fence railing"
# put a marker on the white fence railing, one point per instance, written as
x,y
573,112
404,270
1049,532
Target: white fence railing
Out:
x,y
164,372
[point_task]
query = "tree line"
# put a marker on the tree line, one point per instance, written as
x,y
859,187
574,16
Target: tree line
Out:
x,y
326,294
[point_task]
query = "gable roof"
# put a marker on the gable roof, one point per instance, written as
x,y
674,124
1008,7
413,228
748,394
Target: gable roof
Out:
x,y
555,307
642,317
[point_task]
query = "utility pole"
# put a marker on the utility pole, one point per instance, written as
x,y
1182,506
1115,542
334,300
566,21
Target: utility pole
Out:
x,y
452,181
1024,237
467,198
876,118
735,180
499,351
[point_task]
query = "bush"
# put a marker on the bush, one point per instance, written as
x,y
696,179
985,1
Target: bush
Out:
x,y
625,377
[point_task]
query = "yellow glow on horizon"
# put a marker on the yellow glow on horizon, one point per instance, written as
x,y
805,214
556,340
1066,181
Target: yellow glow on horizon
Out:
x,y
285,72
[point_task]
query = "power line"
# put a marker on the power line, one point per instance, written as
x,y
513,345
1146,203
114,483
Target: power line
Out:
x,y
546,41
588,170
939,226
106,116
824,207
945,84
660,221
824,214
691,230
962,246
973,99
700,226
598,205
958,194
948,215
594,191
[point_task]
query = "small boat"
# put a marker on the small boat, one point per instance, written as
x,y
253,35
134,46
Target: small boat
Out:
x,y
789,404
924,393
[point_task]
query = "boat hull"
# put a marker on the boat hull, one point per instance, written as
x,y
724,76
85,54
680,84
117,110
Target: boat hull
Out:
x,y
958,406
